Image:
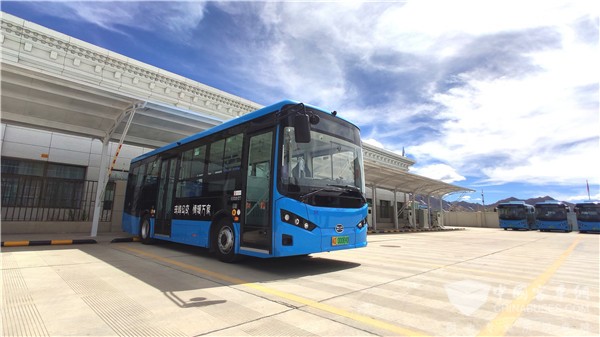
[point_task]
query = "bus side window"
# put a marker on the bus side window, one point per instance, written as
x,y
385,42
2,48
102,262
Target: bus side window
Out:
x,y
215,158
233,152
138,174
191,173
152,173
147,196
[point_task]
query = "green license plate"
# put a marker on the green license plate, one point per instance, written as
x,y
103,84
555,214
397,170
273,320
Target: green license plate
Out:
x,y
340,240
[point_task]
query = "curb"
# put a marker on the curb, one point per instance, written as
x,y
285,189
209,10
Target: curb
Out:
x,y
47,242
412,230
132,239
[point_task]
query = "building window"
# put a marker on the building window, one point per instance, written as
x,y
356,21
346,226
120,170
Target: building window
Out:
x,y
385,209
28,183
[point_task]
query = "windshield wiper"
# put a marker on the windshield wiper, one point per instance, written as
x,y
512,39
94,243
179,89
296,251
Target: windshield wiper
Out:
x,y
337,188
351,188
346,187
326,188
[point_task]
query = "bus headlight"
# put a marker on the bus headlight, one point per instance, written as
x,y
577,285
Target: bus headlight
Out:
x,y
298,221
362,223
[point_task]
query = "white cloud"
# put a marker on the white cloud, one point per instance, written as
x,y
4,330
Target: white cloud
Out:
x,y
577,198
176,19
531,125
532,129
373,142
441,172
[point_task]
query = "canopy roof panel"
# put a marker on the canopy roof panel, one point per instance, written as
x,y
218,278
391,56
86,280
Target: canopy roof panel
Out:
x,y
395,178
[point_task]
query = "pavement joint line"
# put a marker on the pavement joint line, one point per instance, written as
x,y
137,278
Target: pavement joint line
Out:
x,y
46,242
507,317
288,296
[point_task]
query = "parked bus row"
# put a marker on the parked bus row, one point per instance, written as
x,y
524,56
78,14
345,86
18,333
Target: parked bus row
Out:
x,y
548,216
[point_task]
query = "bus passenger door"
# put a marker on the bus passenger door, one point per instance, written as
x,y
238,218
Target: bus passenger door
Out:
x,y
256,226
164,202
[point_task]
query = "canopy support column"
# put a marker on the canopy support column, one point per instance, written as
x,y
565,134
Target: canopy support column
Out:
x,y
374,206
429,220
100,188
395,210
414,213
104,174
441,221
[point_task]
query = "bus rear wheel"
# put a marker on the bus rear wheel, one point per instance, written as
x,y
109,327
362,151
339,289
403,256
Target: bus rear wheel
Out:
x,y
224,240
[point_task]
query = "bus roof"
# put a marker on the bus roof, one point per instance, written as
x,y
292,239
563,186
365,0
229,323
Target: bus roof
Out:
x,y
232,122
514,203
550,203
588,203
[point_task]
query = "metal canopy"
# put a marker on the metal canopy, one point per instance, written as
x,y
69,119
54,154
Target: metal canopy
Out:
x,y
392,178
34,99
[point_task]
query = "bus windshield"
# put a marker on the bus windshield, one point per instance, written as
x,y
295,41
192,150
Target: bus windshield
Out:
x,y
512,213
551,212
326,171
588,212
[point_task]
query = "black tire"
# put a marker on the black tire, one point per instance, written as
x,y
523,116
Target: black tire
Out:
x,y
505,229
145,231
224,241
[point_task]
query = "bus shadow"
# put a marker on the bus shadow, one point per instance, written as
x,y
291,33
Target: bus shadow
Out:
x,y
297,266
269,269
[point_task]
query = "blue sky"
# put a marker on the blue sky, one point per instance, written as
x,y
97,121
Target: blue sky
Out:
x,y
499,96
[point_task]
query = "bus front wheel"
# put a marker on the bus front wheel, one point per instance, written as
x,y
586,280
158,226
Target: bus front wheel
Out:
x,y
225,241
145,232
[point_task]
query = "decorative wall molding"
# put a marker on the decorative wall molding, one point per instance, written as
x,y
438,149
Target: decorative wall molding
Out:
x,y
31,46
386,157
64,56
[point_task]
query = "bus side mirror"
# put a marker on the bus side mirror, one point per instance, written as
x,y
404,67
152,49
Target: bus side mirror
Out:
x,y
302,128
495,209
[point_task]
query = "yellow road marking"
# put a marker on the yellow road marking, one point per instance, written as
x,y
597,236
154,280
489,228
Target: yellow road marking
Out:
x,y
506,318
299,299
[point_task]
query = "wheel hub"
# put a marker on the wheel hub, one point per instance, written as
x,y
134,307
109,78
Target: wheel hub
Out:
x,y
225,240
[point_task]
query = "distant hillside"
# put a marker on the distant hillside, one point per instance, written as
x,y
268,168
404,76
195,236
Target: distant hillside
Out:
x,y
463,206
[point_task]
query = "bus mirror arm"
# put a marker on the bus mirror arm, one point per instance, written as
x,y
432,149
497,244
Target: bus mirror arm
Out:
x,y
302,128
302,121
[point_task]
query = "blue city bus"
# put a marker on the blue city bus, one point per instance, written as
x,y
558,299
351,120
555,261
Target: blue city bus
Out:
x,y
588,216
284,180
516,215
552,215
